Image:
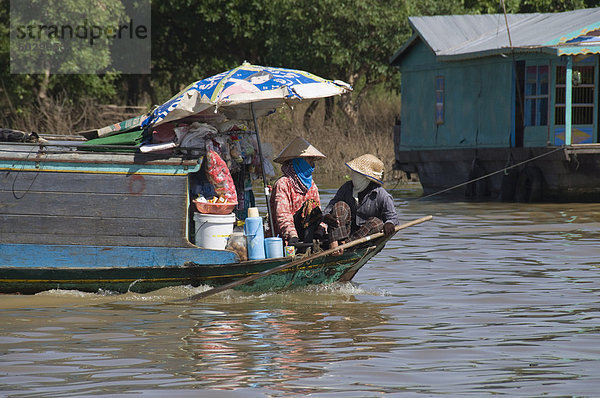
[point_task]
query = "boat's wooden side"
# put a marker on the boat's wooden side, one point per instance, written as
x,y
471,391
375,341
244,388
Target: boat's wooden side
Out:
x,y
90,256
322,270
92,199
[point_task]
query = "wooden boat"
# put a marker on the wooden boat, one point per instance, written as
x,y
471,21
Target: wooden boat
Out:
x,y
121,221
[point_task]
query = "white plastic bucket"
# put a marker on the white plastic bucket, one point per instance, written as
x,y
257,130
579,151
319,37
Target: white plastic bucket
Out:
x,y
213,230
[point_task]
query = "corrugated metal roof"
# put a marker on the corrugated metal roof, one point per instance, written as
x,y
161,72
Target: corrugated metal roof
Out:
x,y
472,36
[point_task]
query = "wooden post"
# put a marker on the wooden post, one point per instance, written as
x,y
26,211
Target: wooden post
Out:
x,y
264,177
568,99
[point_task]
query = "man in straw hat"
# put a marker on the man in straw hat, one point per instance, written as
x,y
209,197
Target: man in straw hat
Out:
x,y
295,203
361,207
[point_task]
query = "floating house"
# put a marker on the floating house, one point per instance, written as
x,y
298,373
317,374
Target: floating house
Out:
x,y
502,107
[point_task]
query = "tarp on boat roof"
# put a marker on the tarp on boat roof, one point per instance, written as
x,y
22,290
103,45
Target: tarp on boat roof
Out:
x,y
128,141
127,125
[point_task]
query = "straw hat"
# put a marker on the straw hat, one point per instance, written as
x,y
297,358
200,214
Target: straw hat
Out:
x,y
369,166
298,148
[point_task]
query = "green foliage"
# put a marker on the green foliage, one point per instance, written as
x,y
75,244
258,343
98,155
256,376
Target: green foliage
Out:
x,y
21,92
339,38
492,6
100,87
435,7
197,39
527,6
351,40
550,5
55,36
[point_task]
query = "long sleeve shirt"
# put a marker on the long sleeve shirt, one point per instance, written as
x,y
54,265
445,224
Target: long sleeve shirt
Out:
x,y
285,202
377,203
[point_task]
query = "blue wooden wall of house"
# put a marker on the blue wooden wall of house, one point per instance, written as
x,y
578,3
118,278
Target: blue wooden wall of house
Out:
x,y
476,101
479,101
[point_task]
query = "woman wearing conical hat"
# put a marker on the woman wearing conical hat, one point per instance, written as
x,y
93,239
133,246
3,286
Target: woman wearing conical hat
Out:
x,y
295,203
361,207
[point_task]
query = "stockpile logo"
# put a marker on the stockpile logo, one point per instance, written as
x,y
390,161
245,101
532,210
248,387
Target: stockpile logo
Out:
x,y
80,36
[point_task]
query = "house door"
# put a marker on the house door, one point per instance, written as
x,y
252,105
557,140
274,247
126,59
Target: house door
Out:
x,y
537,105
584,101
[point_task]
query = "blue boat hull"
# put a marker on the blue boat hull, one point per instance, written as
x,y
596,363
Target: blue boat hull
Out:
x,y
92,276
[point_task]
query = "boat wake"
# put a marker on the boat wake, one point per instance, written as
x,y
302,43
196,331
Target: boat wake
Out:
x,y
342,291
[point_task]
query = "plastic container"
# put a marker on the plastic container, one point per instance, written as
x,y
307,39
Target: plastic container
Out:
x,y
237,243
255,238
213,230
273,247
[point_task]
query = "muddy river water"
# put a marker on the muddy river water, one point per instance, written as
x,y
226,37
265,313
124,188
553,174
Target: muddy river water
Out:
x,y
485,299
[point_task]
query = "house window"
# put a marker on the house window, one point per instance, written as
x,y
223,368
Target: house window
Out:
x,y
536,96
439,100
582,98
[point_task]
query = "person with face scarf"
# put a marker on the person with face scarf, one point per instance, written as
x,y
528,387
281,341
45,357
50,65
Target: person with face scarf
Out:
x,y
362,206
295,203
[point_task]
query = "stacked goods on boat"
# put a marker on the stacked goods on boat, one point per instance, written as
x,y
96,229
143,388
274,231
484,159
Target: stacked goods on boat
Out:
x,y
181,185
221,190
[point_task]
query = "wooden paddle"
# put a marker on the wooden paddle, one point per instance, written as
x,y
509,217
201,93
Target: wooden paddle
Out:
x,y
293,263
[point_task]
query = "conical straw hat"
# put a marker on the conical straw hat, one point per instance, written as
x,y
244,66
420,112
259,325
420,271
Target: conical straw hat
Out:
x,y
298,148
369,166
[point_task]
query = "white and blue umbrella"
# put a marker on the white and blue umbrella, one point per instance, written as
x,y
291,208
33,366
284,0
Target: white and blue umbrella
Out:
x,y
245,92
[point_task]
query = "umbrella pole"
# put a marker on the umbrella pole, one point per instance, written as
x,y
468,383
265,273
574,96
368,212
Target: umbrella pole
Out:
x,y
266,187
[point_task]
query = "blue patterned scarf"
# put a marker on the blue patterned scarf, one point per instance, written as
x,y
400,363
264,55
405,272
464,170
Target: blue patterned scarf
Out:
x,y
304,171
287,169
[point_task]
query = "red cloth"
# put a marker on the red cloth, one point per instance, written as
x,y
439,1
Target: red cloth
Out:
x,y
285,201
219,176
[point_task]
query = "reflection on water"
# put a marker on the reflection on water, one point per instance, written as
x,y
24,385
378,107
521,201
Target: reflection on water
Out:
x,y
141,341
259,347
487,298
